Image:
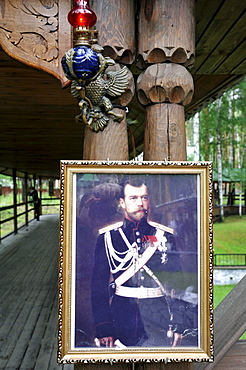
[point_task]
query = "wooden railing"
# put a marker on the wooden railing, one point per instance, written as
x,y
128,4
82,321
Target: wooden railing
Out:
x,y
19,215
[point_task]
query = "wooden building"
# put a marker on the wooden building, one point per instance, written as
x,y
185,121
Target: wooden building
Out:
x,y
182,55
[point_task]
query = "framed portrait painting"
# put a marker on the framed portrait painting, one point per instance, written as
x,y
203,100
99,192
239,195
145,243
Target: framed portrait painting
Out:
x,y
135,262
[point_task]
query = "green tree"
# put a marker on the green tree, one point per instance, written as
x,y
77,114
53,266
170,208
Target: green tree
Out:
x,y
230,120
222,133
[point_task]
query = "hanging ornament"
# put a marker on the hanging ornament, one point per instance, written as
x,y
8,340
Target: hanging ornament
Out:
x,y
86,67
81,63
83,19
82,15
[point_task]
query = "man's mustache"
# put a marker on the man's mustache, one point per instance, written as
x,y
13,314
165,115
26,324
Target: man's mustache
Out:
x,y
142,210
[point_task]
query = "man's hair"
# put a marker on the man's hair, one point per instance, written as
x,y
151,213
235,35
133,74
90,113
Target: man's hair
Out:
x,y
136,181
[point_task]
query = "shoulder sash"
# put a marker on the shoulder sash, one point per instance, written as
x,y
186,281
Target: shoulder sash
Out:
x,y
136,266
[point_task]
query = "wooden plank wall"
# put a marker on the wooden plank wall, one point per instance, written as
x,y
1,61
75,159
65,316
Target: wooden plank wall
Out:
x,y
28,297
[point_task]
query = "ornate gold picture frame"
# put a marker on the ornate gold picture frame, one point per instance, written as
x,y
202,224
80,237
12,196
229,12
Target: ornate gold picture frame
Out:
x,y
135,262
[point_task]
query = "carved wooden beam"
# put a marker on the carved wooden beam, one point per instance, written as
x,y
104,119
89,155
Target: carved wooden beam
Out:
x,y
37,33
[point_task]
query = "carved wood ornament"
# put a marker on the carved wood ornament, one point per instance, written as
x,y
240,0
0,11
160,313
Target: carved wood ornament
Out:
x,y
36,33
87,68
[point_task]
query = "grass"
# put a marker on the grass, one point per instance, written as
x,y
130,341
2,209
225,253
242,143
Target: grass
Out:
x,y
230,235
220,292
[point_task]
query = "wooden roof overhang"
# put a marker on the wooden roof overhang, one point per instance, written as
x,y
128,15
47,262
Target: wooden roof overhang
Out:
x,y
37,116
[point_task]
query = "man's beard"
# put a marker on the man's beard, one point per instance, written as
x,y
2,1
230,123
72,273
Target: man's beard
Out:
x,y
138,215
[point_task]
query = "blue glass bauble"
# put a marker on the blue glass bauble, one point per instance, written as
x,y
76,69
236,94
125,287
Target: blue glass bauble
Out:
x,y
85,63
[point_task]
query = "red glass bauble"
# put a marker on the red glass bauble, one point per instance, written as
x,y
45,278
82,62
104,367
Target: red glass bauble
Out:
x,y
82,15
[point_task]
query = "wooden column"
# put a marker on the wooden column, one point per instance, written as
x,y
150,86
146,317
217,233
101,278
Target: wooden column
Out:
x,y
118,43
165,88
26,198
165,49
15,189
111,143
165,133
40,193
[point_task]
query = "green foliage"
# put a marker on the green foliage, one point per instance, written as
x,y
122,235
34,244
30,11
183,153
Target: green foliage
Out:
x,y
225,119
6,180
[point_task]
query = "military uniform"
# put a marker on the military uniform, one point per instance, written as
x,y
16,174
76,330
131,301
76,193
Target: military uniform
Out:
x,y
134,307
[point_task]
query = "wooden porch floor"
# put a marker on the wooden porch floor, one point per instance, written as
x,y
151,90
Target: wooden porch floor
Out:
x,y
28,297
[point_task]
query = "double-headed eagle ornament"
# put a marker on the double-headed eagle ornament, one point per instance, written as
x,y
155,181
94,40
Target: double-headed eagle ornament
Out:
x,y
93,86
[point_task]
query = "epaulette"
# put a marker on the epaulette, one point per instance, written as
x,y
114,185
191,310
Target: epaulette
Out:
x,y
115,226
162,227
